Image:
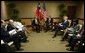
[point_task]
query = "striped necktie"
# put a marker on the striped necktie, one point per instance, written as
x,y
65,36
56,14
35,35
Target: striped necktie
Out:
x,y
81,31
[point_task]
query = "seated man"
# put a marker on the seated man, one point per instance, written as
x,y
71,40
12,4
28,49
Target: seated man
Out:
x,y
76,38
73,24
8,26
5,47
36,25
81,44
5,36
21,30
51,24
33,25
61,26
47,24
71,33
42,22
54,26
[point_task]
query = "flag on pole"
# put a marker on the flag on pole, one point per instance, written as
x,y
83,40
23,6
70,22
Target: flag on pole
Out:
x,y
44,12
39,14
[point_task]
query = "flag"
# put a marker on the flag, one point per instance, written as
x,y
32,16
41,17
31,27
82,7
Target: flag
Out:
x,y
39,14
44,12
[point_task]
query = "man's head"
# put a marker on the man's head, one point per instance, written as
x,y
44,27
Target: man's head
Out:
x,y
65,17
3,22
55,23
7,21
11,21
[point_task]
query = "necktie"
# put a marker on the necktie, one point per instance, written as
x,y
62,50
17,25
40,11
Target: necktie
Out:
x,y
81,31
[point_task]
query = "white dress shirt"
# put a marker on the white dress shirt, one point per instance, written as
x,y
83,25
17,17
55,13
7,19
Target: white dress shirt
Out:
x,y
36,21
12,32
18,25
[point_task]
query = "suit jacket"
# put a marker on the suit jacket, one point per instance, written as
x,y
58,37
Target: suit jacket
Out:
x,y
81,32
4,34
34,22
9,27
65,24
51,21
47,22
76,28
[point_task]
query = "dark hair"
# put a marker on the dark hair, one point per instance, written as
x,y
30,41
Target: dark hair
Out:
x,y
16,28
1,22
74,22
51,18
7,20
55,23
47,19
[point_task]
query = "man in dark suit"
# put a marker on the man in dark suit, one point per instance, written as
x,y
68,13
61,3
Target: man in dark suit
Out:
x,y
78,33
74,24
4,33
47,24
75,38
61,26
5,36
73,32
20,29
81,44
54,26
36,25
51,21
8,27
37,22
33,25
5,47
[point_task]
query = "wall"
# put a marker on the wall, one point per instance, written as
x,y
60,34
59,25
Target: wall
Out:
x,y
27,8
3,10
80,10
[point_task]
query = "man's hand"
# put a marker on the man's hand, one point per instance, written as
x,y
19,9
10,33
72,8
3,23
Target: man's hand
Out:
x,y
60,24
78,35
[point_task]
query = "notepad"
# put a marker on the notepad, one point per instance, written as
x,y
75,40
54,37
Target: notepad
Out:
x,y
10,43
12,32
